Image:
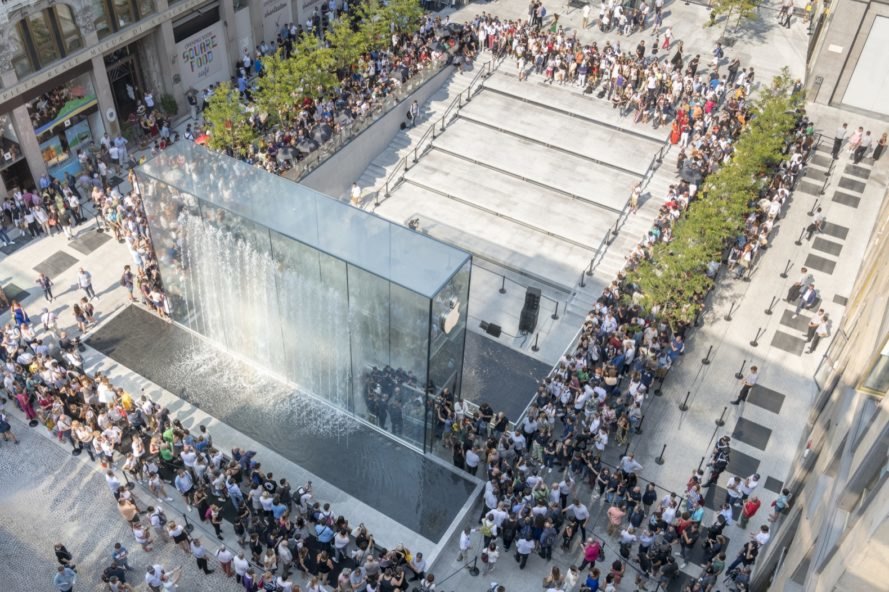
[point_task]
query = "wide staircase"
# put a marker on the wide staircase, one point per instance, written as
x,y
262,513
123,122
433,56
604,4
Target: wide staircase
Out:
x,y
528,177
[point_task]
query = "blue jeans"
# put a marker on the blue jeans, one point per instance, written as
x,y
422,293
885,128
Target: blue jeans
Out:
x,y
3,236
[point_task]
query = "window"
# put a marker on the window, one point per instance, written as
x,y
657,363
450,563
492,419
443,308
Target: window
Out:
x,y
123,13
103,25
44,37
68,29
877,380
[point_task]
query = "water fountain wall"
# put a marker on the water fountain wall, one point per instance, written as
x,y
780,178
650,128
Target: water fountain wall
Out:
x,y
351,308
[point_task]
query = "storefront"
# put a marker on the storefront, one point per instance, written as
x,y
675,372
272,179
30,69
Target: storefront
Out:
x,y
65,121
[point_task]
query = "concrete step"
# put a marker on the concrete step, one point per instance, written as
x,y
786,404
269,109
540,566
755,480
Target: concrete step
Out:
x,y
515,200
604,145
495,239
538,164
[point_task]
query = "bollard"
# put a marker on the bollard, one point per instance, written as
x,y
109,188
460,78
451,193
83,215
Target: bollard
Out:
x,y
534,347
721,422
812,211
731,308
783,274
555,316
684,405
660,460
503,286
188,525
799,242
130,485
755,341
740,373
768,311
706,360
639,427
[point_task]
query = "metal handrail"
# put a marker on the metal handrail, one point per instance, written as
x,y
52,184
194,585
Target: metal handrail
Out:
x,y
403,165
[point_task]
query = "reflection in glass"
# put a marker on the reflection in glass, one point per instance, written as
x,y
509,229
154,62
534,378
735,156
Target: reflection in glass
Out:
x,y
68,28
41,36
334,299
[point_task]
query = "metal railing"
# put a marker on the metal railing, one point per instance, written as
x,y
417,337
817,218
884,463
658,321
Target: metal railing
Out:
x,y
429,135
609,237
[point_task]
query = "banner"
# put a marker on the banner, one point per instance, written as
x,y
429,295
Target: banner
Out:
x,y
203,58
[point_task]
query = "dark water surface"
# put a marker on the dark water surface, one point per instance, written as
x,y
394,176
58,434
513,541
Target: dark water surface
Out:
x,y
395,480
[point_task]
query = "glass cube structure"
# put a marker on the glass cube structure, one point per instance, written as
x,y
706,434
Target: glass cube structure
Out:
x,y
363,313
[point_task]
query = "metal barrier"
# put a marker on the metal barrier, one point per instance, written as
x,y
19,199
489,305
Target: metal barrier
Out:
x,y
429,135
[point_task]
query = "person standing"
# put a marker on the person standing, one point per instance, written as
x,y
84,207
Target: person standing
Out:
x,y
863,147
838,138
414,113
225,558
200,556
120,557
85,282
128,281
881,147
64,579
355,194
821,331
748,383
46,285
523,548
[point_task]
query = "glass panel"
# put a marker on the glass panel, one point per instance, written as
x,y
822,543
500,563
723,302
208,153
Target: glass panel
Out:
x,y
410,259
243,267
123,12
44,41
68,28
102,22
20,60
878,378
145,7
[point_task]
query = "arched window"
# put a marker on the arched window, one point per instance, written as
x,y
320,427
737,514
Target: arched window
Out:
x,y
44,37
114,15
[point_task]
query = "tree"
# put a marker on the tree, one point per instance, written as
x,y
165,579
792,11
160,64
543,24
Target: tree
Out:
x,y
742,9
227,121
346,43
313,66
405,14
374,25
274,94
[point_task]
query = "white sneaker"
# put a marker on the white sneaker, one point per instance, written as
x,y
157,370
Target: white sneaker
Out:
x,y
169,499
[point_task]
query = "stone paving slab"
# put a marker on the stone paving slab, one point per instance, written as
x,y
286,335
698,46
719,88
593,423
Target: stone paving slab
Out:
x,y
88,242
766,398
846,199
852,184
820,264
809,187
55,264
841,300
857,171
826,246
773,485
752,433
789,343
835,230
742,464
14,292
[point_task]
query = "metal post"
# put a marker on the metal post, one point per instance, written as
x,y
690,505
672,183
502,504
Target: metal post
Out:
x,y
740,373
188,525
706,360
555,316
731,309
589,270
798,242
786,269
376,201
415,154
583,279
701,464
639,427
534,347
812,211
721,421
660,460
503,286
768,311
755,341
684,405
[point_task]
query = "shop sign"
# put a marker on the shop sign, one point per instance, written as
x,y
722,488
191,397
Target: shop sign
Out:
x,y
203,58
275,14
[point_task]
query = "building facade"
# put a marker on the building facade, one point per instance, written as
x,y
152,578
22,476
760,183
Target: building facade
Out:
x,y
846,56
836,533
74,70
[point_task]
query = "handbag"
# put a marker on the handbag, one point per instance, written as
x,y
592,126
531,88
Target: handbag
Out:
x,y
484,556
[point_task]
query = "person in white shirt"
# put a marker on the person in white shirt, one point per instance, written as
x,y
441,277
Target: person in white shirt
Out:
x,y
763,536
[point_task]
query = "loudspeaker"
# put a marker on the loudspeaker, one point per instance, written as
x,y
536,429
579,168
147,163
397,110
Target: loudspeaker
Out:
x,y
528,320
532,298
491,329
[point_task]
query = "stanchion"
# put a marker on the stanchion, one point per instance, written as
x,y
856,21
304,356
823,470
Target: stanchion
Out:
x,y
660,460
783,274
130,485
473,569
503,286
188,525
639,427
798,242
534,347
731,309
701,464
684,405
721,421
740,373
589,270
555,315
768,311
706,360
812,211
755,341
583,279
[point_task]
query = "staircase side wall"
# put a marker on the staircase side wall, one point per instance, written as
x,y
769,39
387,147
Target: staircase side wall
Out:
x,y
338,172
